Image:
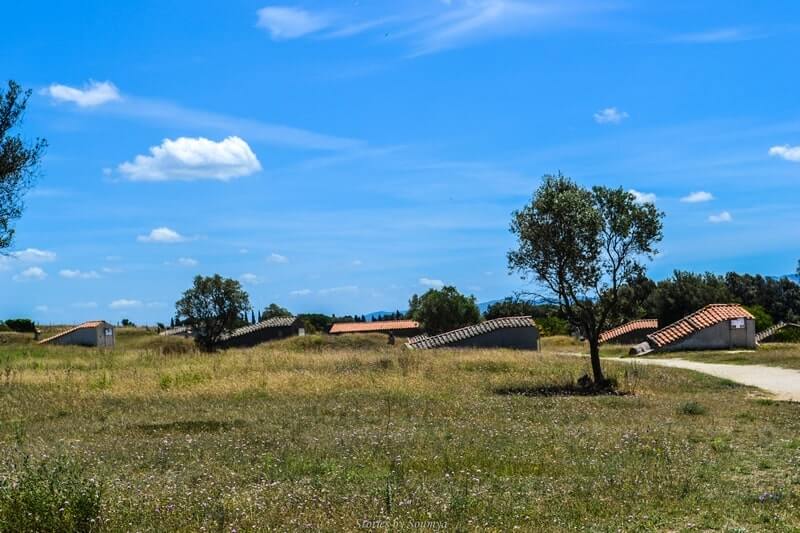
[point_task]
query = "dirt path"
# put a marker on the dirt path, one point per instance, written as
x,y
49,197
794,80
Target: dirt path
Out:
x,y
783,383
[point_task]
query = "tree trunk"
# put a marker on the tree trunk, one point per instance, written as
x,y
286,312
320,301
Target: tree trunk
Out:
x,y
597,370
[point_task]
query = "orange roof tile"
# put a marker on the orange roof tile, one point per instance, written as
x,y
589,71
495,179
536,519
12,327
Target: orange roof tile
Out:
x,y
85,325
633,325
708,316
380,325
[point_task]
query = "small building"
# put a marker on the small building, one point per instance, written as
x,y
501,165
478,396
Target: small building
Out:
x,y
95,333
266,330
632,332
398,328
518,332
714,327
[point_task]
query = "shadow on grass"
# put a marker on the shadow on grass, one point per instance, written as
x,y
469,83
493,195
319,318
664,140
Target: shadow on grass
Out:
x,y
191,426
569,389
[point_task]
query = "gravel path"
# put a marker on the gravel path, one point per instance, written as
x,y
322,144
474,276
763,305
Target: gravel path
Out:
x,y
782,383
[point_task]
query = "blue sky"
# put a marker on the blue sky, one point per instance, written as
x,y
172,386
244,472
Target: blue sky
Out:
x,y
340,156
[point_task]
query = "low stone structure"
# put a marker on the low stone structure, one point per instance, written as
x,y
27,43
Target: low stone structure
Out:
x,y
519,332
266,330
714,327
95,333
632,332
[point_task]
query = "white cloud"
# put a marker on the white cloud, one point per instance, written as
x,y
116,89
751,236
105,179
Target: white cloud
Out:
x,y
719,35
109,270
77,274
610,115
162,235
643,197
357,262
789,153
428,282
697,197
289,22
722,217
187,262
249,278
277,258
339,290
31,274
124,303
92,94
301,292
193,158
85,305
34,255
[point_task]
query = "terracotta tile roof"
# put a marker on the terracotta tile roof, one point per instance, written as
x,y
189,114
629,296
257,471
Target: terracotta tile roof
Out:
x,y
178,330
708,316
277,322
633,325
443,339
85,325
380,325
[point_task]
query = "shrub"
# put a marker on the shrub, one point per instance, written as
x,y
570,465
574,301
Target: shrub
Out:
x,y
52,495
692,408
21,325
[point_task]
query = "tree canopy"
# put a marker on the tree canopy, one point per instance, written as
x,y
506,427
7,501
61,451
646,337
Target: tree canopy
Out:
x,y
582,246
212,307
275,311
445,309
19,161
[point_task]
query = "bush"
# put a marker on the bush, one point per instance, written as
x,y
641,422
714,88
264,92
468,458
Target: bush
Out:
x,y
50,496
552,325
692,408
21,325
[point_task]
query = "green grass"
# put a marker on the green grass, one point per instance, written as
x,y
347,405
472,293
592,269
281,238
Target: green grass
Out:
x,y
326,433
771,354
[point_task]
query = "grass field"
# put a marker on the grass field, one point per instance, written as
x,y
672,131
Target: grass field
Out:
x,y
345,433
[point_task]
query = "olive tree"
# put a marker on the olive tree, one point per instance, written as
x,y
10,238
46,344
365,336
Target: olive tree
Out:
x,y
583,246
212,307
19,161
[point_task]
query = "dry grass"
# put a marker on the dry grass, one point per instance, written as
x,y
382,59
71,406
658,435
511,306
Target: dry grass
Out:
x,y
326,435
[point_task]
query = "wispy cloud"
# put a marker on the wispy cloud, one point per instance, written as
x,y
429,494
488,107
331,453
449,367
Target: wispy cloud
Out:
x,y
162,235
610,115
789,153
434,27
248,278
34,255
187,262
643,197
188,159
300,292
717,35
277,258
697,197
434,283
124,303
725,216
92,94
78,274
338,290
31,274
284,23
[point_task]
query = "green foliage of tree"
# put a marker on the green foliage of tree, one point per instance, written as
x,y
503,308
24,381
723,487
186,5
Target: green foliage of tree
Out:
x,y
19,161
552,325
21,325
512,307
445,309
315,322
685,293
763,320
582,246
127,323
275,311
212,307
